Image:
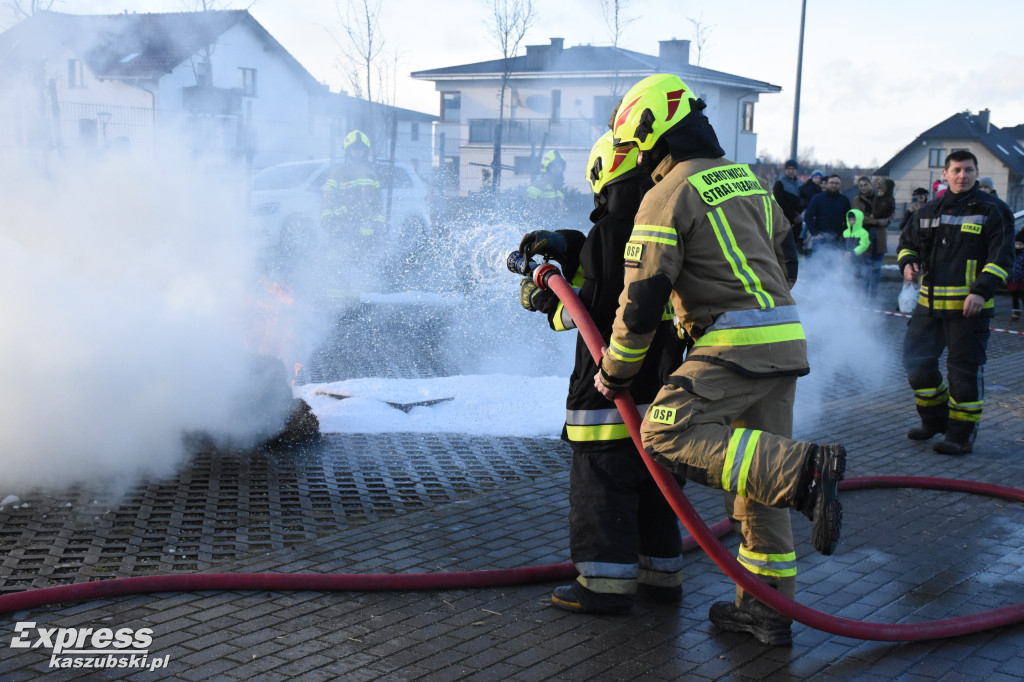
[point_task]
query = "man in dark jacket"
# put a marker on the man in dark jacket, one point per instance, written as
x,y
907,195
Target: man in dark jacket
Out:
x,y
786,193
623,535
962,245
825,216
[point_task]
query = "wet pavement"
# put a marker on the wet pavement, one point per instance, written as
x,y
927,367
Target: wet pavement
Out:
x,y
416,503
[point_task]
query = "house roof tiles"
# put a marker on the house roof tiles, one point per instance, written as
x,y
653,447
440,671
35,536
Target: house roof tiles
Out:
x,y
131,46
963,126
589,59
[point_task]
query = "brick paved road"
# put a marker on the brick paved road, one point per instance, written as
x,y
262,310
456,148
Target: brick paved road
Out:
x,y
906,555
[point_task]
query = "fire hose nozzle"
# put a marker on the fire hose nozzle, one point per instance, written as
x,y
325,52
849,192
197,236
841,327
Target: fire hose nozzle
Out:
x,y
520,264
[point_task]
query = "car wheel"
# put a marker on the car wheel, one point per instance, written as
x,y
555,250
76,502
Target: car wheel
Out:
x,y
296,240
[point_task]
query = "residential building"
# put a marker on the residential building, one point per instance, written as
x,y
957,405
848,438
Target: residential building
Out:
x,y
214,82
1000,155
561,98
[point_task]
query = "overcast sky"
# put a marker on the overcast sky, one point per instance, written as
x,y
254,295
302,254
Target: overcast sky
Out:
x,y
876,72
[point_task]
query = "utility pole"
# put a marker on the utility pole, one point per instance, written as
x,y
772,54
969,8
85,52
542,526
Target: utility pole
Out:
x,y
799,70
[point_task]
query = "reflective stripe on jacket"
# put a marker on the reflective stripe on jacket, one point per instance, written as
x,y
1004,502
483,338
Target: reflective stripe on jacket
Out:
x,y
964,244
709,233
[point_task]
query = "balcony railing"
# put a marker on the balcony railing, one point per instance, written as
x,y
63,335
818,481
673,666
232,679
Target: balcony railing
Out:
x,y
568,132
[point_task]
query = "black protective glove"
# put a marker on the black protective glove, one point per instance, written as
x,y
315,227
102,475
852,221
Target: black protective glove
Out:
x,y
532,297
543,243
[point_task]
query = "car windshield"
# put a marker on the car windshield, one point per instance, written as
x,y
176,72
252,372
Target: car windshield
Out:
x,y
283,177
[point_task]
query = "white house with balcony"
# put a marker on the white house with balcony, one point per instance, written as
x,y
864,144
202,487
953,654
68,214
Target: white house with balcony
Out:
x,y
561,98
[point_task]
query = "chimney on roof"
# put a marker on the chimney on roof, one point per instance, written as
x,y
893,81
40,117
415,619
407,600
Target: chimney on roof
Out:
x,y
673,53
540,56
982,120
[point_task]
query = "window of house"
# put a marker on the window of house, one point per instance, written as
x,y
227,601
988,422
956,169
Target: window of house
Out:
x,y
556,105
748,117
248,82
75,74
936,158
414,133
451,106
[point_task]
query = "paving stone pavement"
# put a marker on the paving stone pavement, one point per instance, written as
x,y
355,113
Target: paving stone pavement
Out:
x,y
905,556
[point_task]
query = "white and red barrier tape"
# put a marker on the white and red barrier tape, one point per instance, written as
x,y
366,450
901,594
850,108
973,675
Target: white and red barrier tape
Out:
x,y
895,314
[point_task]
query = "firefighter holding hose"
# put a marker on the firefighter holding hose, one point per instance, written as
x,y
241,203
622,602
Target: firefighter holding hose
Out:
x,y
710,237
623,535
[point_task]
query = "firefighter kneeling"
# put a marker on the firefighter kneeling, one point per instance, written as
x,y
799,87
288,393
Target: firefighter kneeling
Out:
x,y
711,238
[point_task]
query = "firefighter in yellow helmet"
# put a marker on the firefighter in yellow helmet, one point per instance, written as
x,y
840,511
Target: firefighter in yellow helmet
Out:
x,y
351,199
709,236
623,535
545,196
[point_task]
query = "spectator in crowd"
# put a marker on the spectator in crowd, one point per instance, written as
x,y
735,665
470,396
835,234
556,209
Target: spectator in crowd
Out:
x,y
985,184
918,198
825,216
786,192
882,207
811,187
1015,282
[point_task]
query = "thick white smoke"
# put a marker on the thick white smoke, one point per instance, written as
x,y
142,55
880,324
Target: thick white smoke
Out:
x,y
130,314
846,344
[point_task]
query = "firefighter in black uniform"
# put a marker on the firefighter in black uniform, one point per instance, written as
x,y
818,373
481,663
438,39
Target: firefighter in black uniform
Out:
x,y
623,535
962,245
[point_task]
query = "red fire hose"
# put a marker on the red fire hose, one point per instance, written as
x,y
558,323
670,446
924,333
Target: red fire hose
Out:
x,y
547,276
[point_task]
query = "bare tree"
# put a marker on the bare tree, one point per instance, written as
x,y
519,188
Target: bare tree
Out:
x,y
360,21
510,20
23,9
701,36
616,21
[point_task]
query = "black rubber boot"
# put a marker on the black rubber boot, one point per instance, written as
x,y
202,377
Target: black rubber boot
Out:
x,y
767,626
925,431
934,419
578,599
825,468
661,594
959,438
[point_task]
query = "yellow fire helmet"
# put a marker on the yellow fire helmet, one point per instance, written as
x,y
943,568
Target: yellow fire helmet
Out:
x,y
608,163
550,157
356,137
650,108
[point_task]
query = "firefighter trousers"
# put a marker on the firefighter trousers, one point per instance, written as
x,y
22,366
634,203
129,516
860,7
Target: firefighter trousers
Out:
x,y
621,530
766,534
961,400
727,430
689,429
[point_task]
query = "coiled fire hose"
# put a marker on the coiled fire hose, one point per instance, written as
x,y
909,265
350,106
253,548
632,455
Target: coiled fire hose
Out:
x,y
547,276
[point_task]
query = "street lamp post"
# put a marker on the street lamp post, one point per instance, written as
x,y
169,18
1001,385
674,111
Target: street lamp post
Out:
x,y
799,69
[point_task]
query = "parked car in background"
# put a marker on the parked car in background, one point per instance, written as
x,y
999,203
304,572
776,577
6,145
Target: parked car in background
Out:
x,y
285,208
